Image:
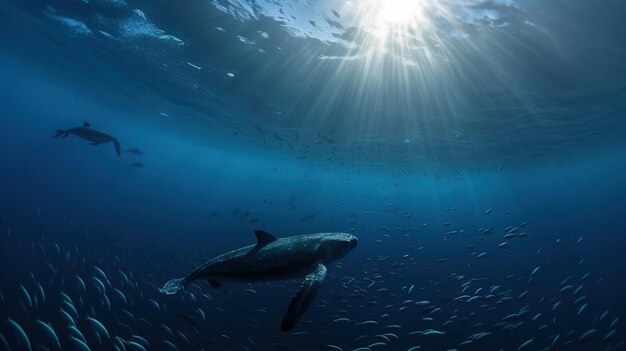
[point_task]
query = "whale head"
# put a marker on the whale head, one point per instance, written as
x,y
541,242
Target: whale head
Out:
x,y
336,245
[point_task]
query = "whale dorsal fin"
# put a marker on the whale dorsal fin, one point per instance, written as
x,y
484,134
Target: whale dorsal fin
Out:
x,y
86,124
263,238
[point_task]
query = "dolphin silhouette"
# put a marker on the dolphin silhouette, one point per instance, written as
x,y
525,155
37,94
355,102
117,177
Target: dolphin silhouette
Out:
x,y
95,136
134,150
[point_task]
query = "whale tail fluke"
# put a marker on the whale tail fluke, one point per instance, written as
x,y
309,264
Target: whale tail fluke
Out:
x,y
61,132
118,148
173,286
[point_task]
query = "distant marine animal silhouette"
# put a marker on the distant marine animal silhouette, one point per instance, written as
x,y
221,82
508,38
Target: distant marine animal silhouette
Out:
x,y
95,137
134,150
275,259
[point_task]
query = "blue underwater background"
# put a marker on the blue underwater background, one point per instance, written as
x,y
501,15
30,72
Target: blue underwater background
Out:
x,y
480,161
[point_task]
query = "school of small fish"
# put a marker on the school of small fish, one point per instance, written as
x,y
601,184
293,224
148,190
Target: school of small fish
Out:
x,y
69,294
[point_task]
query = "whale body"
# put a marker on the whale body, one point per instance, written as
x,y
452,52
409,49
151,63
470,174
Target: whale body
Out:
x,y
275,259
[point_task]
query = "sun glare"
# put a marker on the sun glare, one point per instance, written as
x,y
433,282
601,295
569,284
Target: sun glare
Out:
x,y
383,18
400,12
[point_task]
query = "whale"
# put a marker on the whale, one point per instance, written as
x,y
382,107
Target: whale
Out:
x,y
273,259
95,137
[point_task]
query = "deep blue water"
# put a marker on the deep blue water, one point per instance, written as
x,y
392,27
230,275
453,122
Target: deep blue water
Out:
x,y
294,118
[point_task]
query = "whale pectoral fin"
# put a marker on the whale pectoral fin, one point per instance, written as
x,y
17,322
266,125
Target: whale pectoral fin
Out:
x,y
304,297
118,148
215,284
